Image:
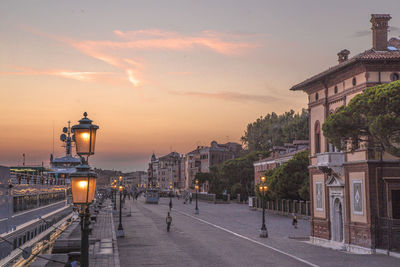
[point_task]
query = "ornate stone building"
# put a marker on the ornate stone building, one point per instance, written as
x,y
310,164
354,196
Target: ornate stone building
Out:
x,y
278,156
355,196
204,157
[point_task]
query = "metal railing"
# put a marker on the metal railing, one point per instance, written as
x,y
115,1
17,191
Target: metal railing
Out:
x,y
286,206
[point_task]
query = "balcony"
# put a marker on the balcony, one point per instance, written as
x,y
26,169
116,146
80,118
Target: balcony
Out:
x,y
330,159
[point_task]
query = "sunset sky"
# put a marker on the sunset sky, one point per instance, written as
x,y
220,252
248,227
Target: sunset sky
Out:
x,y
162,76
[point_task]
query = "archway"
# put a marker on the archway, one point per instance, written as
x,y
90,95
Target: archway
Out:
x,y
337,234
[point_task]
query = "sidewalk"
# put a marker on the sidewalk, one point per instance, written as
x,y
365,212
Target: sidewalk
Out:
x,y
104,251
146,241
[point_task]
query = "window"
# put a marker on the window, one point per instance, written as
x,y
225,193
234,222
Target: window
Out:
x,y
394,77
354,81
317,135
316,96
357,197
319,197
335,89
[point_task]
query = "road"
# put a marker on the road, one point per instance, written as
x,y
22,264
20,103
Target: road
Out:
x,y
223,235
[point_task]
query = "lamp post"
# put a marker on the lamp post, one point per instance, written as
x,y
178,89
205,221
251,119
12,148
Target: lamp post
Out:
x,y
170,196
120,183
120,232
263,188
83,181
114,195
196,187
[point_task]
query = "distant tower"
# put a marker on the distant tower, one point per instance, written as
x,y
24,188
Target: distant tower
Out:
x,y
380,31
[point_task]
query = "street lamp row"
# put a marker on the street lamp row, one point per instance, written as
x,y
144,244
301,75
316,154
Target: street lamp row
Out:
x,y
263,188
83,181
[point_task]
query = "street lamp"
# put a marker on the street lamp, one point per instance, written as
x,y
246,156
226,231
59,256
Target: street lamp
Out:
x,y
120,232
83,181
170,196
114,194
263,188
196,187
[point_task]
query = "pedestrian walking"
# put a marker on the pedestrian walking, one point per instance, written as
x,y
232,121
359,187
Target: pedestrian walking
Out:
x,y
294,220
168,220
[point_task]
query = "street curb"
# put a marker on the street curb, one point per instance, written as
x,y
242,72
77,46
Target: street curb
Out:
x,y
115,242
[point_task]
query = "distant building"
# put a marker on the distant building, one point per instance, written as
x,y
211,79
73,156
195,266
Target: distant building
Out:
x,y
279,155
355,197
204,157
152,172
133,179
169,171
144,179
180,170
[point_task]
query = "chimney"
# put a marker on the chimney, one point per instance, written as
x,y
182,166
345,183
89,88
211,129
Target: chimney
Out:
x,y
343,55
380,31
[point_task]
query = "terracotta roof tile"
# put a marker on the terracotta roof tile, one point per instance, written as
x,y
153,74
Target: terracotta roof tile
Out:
x,y
370,54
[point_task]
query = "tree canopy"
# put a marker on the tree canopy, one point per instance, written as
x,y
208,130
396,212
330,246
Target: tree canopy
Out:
x,y
372,117
275,130
232,173
290,180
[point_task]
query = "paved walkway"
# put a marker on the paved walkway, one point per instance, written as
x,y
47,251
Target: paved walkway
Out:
x,y
104,251
222,235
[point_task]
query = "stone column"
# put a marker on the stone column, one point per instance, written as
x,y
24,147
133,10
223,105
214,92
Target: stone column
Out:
x,y
294,206
283,206
301,206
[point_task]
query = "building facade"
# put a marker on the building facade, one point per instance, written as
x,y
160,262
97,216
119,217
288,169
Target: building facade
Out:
x,y
279,155
152,172
352,194
204,157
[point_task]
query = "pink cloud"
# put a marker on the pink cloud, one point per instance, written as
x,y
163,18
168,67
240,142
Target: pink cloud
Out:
x,y
229,96
86,76
223,43
113,52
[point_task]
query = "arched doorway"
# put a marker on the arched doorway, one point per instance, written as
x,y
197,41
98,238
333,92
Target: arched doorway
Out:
x,y
337,233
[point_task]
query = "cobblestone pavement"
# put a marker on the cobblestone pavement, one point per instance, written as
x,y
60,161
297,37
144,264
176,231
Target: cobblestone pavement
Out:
x,y
223,235
104,251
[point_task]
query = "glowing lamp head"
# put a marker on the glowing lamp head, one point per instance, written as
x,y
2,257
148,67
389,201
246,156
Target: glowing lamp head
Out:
x,y
197,181
196,187
83,185
170,187
260,188
265,188
121,188
263,179
120,178
85,136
